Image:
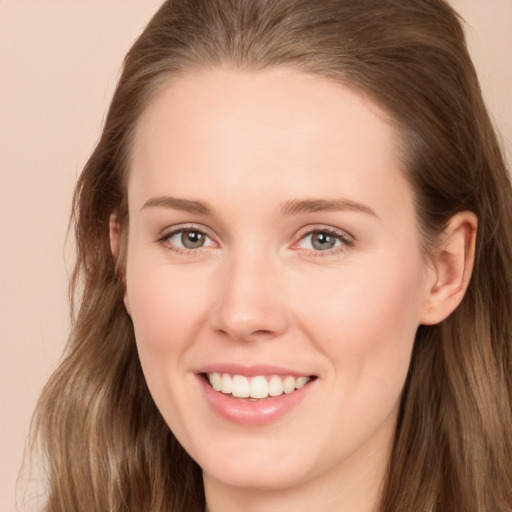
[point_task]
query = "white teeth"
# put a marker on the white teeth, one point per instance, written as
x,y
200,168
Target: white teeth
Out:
x,y
216,381
301,382
240,387
289,384
275,386
256,387
259,387
226,384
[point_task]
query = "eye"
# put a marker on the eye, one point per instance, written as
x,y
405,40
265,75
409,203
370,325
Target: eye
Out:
x,y
188,239
324,240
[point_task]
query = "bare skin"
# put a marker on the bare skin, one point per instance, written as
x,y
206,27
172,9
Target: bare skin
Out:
x,y
271,226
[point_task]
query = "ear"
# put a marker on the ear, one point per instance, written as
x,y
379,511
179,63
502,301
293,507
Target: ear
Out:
x,y
115,235
118,252
452,267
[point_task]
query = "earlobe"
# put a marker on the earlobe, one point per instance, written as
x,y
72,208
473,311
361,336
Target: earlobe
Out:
x,y
452,267
126,302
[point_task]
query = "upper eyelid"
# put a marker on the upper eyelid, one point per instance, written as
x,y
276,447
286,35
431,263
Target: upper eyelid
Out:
x,y
308,230
171,230
165,236
346,243
299,234
346,239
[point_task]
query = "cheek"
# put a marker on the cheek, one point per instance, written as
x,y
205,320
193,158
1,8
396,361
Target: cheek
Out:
x,y
365,321
166,308
166,313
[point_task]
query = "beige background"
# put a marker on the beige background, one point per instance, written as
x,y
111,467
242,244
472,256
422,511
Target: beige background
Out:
x,y
58,65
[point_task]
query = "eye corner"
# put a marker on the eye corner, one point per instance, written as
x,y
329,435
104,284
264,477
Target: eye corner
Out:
x,y
187,239
324,241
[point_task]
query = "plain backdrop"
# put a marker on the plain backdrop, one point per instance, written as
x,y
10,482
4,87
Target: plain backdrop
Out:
x,y
59,61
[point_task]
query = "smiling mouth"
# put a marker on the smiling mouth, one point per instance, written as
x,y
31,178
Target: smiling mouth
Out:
x,y
258,387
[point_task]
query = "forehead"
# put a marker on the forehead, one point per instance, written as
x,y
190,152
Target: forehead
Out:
x,y
263,130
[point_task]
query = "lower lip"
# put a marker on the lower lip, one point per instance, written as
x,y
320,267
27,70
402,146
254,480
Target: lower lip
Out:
x,y
253,412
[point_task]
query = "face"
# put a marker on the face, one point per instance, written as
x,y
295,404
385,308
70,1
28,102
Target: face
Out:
x,y
274,275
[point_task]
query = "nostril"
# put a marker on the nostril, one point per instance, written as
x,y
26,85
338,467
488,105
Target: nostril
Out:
x,y
263,332
241,335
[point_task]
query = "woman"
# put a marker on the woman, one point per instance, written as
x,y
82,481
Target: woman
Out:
x,y
294,258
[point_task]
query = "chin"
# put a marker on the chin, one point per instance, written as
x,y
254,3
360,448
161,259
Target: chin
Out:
x,y
257,467
255,477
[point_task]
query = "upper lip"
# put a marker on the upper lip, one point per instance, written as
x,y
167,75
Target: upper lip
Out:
x,y
251,370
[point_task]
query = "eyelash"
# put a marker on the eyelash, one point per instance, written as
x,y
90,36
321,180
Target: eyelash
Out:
x,y
345,240
166,237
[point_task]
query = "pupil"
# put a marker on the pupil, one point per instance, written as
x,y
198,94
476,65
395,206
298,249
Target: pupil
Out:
x,y
323,241
192,239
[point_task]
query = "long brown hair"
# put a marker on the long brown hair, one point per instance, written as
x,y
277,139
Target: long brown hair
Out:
x,y
108,448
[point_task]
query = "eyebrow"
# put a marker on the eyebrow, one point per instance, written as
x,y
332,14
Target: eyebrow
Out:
x,y
186,205
299,206
289,208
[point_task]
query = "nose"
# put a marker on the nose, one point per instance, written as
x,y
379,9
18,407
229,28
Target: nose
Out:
x,y
251,300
